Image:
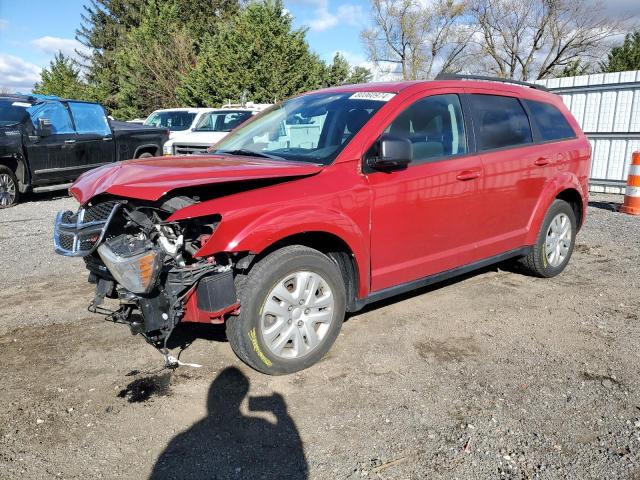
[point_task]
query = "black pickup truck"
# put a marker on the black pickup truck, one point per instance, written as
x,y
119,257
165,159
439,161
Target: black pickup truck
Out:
x,y
47,142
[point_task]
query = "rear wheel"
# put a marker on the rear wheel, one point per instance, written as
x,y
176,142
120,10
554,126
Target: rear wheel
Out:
x,y
9,193
552,251
292,308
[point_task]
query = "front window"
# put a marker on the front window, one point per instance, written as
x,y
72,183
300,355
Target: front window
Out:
x,y
222,121
12,112
175,121
56,113
311,128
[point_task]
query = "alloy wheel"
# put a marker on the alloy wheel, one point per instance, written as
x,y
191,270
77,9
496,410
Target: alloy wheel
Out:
x,y
297,314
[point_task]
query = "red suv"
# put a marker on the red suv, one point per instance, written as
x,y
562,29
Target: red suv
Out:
x,y
327,202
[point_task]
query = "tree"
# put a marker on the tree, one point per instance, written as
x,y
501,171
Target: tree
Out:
x,y
417,37
153,62
107,24
257,52
540,38
575,68
624,57
62,79
339,72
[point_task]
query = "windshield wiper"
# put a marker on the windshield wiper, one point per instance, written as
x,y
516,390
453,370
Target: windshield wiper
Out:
x,y
249,153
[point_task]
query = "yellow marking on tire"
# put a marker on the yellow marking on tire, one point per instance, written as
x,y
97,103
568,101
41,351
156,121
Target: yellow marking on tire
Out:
x,y
254,341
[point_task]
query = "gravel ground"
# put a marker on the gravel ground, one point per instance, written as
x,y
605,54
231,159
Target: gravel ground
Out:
x,y
495,375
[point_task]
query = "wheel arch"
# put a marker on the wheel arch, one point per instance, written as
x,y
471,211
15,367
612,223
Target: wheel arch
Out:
x,y
21,170
565,187
149,148
331,245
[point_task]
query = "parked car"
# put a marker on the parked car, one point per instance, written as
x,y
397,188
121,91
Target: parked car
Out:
x,y
328,202
209,127
46,142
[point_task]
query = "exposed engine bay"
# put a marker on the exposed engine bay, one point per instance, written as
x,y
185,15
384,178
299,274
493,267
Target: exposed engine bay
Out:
x,y
135,255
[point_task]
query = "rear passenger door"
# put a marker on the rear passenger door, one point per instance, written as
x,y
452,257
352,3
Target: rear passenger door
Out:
x,y
423,218
94,140
514,175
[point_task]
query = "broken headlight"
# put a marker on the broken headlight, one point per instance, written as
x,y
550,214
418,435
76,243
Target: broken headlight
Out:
x,y
134,263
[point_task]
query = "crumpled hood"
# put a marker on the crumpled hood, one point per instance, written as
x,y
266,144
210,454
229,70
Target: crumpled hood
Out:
x,y
151,178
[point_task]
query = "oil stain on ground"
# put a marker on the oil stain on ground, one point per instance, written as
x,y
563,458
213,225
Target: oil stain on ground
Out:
x,y
142,389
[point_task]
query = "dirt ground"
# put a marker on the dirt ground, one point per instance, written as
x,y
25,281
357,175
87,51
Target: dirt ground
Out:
x,y
495,375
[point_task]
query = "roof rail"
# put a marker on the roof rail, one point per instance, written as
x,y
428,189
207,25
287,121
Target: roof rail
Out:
x,y
452,76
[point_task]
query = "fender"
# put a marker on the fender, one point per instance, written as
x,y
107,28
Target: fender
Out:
x,y
251,224
143,147
562,181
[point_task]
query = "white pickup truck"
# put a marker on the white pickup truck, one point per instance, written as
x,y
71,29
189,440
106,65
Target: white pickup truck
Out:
x,y
194,130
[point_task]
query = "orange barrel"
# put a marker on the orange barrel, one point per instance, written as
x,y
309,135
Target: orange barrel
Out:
x,y
632,195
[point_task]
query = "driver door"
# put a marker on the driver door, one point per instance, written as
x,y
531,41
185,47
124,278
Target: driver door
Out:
x,y
424,218
52,157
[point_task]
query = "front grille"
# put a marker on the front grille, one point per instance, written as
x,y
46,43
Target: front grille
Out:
x,y
189,149
78,234
100,212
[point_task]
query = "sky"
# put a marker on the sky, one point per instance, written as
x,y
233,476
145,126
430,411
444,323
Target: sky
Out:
x,y
30,37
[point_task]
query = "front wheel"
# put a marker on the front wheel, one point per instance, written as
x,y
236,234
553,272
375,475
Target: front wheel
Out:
x,y
292,307
9,192
554,246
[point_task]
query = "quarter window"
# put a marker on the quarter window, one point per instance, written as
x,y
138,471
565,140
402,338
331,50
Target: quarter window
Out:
x,y
550,122
500,122
435,127
90,118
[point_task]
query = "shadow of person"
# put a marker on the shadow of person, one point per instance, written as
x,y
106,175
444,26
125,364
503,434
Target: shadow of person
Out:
x,y
229,445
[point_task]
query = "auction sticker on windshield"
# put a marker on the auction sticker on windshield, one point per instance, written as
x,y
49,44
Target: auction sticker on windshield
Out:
x,y
379,96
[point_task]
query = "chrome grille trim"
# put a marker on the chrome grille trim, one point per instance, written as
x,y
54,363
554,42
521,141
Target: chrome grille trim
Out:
x,y
74,237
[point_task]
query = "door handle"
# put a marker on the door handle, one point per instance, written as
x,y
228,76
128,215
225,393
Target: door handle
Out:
x,y
70,141
468,175
541,162
107,139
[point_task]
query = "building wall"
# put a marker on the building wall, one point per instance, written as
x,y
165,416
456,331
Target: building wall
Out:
x,y
607,107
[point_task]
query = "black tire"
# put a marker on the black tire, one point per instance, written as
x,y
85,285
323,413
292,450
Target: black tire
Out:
x,y
9,190
536,263
244,332
145,155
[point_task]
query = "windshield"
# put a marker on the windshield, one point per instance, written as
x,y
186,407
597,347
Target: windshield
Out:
x,y
311,128
175,121
221,121
12,112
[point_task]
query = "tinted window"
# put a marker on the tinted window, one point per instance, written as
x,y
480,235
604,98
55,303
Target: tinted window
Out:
x,y
173,120
435,127
551,123
221,122
90,118
54,112
12,111
500,122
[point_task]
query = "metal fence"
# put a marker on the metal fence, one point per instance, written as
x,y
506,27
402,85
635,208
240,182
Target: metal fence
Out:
x,y
607,107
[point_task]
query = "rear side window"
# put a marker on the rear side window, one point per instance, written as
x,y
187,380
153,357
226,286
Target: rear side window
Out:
x,y
500,122
435,127
90,118
550,121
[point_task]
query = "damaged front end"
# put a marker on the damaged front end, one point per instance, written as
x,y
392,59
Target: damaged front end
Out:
x,y
135,255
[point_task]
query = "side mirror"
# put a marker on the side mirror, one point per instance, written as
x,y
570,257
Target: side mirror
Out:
x,y
44,127
395,153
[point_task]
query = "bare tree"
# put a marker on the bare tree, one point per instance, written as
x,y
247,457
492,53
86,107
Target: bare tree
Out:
x,y
5,90
416,37
538,38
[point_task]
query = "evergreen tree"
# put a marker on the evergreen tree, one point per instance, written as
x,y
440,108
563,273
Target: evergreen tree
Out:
x,y
62,79
625,57
257,52
152,63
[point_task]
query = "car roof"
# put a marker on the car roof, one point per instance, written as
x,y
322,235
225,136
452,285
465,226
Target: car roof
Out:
x,y
183,109
519,88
